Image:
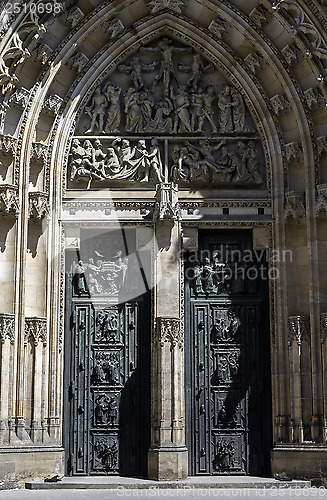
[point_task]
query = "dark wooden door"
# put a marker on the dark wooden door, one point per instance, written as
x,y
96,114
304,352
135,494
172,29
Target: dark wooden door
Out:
x,y
227,362
107,363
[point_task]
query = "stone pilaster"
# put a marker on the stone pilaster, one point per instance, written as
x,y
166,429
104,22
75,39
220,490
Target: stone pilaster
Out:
x,y
168,457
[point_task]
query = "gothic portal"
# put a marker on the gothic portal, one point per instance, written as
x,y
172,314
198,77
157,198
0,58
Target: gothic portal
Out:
x,y
163,186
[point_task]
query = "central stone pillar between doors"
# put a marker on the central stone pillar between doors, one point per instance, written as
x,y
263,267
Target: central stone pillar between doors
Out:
x,y
168,458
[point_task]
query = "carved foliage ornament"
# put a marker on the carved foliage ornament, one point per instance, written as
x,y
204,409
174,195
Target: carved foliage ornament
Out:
x,y
36,331
170,330
38,205
294,206
9,202
7,327
321,205
158,5
323,327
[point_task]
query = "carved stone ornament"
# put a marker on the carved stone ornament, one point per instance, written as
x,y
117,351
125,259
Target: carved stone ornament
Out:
x,y
323,327
293,152
167,206
321,205
292,54
7,327
42,53
299,329
9,202
175,5
322,145
260,15
114,28
52,103
280,104
74,16
35,331
314,97
219,27
170,330
39,152
38,205
255,61
20,97
294,206
8,144
78,61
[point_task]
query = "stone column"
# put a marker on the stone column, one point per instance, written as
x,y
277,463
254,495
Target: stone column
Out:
x,y
168,458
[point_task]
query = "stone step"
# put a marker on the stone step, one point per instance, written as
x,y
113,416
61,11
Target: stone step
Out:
x,y
205,482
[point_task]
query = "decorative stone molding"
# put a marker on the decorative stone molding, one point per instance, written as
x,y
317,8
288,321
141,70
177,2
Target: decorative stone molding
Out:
x,y
322,145
292,54
260,15
42,53
280,104
78,61
170,330
20,97
294,206
9,202
219,27
321,205
167,206
175,5
7,327
313,97
8,144
4,106
323,327
74,16
38,205
39,152
293,152
255,61
299,329
35,331
114,28
52,103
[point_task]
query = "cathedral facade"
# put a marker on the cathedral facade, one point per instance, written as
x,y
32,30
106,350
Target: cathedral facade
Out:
x,y
163,192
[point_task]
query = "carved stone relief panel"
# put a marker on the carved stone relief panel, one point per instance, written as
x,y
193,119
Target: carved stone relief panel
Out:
x,y
166,115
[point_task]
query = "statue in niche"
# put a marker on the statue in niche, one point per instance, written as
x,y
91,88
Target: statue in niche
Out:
x,y
135,69
162,122
80,278
96,111
181,102
197,68
207,276
114,116
167,70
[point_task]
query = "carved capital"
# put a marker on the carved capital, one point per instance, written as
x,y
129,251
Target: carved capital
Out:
x,y
293,152
322,145
280,104
8,144
52,104
321,205
174,5
35,331
299,329
323,327
39,152
7,327
167,206
313,97
294,206
38,205
9,202
170,330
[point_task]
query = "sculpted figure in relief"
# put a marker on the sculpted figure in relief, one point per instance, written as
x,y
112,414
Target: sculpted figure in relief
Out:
x,y
135,69
232,111
181,102
114,116
197,68
96,111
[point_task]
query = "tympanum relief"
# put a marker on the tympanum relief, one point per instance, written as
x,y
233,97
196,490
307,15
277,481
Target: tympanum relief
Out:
x,y
166,114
